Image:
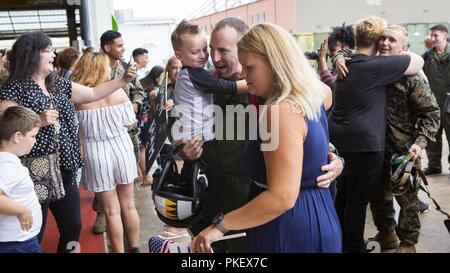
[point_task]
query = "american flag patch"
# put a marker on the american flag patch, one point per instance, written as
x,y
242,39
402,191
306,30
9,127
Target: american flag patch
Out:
x,y
160,245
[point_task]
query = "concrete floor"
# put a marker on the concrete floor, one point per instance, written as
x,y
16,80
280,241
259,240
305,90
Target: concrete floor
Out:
x,y
434,236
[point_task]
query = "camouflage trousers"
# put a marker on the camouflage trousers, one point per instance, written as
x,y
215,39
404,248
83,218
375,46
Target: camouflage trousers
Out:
x,y
134,135
434,150
383,212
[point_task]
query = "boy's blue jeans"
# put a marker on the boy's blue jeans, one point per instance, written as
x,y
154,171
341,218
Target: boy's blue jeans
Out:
x,y
28,246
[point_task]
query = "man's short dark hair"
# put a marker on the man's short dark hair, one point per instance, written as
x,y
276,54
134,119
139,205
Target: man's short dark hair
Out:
x,y
139,51
440,27
239,25
108,37
344,34
17,119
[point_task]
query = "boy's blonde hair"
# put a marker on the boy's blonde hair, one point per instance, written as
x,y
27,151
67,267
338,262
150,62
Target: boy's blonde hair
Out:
x,y
92,69
369,31
294,78
183,28
17,119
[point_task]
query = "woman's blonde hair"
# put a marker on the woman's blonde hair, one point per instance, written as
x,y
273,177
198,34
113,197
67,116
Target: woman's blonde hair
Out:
x,y
169,65
369,31
294,77
92,69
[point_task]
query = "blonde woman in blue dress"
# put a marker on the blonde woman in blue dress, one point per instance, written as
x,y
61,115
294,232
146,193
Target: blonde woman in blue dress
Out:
x,y
110,165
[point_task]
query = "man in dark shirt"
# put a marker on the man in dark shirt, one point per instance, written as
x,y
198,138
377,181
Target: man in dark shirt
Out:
x,y
193,94
235,183
437,69
358,125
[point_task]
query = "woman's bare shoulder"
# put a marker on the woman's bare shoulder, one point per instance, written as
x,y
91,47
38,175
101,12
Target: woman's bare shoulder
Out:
x,y
118,97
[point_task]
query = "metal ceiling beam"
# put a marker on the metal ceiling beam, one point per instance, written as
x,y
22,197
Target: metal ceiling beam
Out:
x,y
32,4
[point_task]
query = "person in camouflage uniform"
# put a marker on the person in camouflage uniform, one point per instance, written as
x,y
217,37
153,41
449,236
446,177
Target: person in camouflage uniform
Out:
x,y
437,69
136,94
112,44
413,118
4,74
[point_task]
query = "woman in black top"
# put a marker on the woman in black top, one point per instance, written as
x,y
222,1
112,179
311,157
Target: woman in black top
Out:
x,y
33,84
357,125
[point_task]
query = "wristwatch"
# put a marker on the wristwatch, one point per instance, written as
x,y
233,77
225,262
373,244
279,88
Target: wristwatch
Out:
x,y
218,223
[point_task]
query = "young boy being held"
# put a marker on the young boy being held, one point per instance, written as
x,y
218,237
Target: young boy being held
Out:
x,y
195,87
20,211
194,90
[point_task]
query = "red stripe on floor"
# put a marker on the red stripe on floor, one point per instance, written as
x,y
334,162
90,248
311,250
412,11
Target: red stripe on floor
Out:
x,y
89,242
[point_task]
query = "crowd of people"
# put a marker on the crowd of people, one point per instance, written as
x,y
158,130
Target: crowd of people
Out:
x,y
83,120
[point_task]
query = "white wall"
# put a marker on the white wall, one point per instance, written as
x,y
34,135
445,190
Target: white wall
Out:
x,y
318,16
99,14
153,37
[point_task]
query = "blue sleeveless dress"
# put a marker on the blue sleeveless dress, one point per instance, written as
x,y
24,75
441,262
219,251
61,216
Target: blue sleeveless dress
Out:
x,y
312,225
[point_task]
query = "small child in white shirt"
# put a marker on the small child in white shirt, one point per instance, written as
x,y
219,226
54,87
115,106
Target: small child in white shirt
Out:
x,y
20,211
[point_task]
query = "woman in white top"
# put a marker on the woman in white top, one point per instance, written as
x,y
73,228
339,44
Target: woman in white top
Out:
x,y
110,167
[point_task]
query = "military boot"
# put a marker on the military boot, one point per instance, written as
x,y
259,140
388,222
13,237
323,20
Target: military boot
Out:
x,y
99,224
406,248
387,240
